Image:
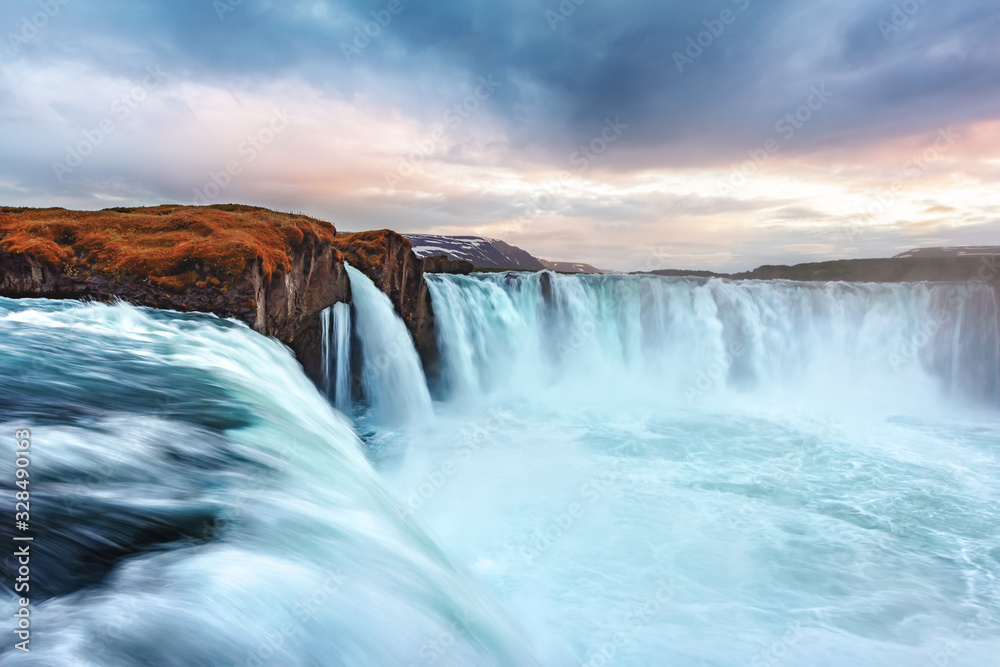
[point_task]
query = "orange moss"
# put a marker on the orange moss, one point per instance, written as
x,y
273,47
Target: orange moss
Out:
x,y
366,251
175,247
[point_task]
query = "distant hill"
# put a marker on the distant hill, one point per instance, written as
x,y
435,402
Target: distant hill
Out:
x,y
955,251
489,254
891,270
569,267
961,264
684,273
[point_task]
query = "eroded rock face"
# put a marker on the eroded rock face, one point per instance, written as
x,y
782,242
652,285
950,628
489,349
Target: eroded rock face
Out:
x,y
444,264
289,304
275,272
388,259
271,270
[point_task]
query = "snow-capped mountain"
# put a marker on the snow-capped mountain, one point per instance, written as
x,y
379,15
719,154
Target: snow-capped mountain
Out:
x,y
489,254
483,253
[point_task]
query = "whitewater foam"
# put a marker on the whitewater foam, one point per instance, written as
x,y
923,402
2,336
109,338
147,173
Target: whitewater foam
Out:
x,y
196,500
694,472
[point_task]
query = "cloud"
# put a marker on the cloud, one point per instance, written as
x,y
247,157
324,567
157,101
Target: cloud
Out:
x,y
372,89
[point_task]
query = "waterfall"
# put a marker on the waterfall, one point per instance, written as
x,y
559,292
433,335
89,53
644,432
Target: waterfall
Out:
x,y
812,468
335,324
202,504
694,338
325,342
640,469
392,375
342,361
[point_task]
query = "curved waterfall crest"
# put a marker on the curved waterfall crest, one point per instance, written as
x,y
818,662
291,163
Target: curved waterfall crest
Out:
x,y
693,336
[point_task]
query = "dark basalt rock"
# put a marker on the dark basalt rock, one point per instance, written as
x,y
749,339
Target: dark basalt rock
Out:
x,y
388,259
444,264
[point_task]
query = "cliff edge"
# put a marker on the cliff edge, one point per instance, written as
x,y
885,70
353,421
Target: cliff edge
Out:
x,y
388,259
276,272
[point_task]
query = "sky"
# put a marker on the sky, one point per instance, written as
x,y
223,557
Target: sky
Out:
x,y
632,135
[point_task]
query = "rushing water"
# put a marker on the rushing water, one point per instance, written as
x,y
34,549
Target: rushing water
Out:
x,y
694,338
616,471
392,376
195,501
687,472
336,348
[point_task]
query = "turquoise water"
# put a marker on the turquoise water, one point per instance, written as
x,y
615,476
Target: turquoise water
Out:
x,y
754,474
876,540
196,501
612,471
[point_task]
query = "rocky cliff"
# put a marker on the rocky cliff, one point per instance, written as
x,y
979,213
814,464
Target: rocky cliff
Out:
x,y
275,272
445,264
388,259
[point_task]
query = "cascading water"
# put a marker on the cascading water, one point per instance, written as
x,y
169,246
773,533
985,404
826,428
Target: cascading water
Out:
x,y
392,375
342,344
325,320
335,323
703,472
638,470
195,501
691,336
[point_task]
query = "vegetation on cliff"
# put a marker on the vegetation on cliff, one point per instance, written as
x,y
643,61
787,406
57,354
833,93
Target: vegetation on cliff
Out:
x,y
173,247
276,272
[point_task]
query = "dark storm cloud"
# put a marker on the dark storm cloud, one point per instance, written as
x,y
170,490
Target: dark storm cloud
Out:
x,y
567,67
